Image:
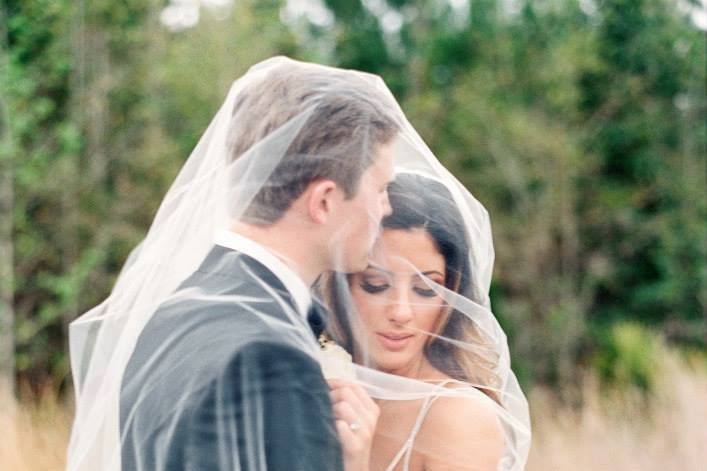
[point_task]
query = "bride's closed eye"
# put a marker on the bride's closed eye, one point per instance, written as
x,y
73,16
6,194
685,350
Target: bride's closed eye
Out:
x,y
424,292
374,285
422,287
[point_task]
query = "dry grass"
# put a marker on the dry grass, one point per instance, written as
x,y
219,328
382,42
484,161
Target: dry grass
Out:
x,y
34,434
616,430
611,431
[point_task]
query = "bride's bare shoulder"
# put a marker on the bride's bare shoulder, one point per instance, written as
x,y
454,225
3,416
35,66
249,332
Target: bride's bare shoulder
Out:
x,y
464,430
466,409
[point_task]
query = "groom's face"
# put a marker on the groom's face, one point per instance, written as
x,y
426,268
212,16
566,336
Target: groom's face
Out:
x,y
361,215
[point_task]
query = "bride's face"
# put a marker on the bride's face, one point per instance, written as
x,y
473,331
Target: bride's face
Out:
x,y
396,307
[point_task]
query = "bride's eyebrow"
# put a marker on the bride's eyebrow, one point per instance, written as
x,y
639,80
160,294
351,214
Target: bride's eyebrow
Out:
x,y
432,272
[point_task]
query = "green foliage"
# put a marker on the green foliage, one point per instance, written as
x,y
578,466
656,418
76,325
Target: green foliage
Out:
x,y
638,134
630,355
582,133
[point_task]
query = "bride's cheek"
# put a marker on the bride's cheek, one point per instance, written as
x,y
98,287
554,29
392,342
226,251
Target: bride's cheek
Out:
x,y
431,319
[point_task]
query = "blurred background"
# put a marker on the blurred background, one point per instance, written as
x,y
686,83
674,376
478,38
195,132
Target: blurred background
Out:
x,y
579,124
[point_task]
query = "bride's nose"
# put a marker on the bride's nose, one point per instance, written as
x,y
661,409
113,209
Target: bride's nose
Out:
x,y
399,308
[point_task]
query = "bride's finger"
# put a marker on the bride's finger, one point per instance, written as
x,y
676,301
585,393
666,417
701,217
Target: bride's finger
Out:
x,y
336,383
360,393
350,441
363,396
363,430
364,411
344,411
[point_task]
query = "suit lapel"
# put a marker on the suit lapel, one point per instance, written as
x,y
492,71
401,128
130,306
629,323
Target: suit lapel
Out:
x,y
243,270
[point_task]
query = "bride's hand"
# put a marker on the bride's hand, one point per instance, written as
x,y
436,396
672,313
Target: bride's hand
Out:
x,y
356,416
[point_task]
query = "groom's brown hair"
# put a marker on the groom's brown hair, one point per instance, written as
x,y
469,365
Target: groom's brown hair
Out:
x,y
343,116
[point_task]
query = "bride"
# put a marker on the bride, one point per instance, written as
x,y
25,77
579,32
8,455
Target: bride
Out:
x,y
417,312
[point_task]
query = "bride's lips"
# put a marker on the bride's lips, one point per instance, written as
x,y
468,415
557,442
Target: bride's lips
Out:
x,y
394,341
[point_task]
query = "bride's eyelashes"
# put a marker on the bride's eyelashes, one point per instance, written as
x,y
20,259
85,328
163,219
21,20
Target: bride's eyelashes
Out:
x,y
424,292
373,287
379,286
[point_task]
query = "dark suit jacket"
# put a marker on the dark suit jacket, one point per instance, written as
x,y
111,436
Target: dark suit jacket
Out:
x,y
211,386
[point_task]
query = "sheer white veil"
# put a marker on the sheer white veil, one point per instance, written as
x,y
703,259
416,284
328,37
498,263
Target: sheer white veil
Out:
x,y
247,159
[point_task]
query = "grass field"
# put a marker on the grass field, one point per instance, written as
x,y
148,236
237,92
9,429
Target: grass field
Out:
x,y
624,431
609,431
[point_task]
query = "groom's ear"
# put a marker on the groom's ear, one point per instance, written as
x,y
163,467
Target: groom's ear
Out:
x,y
323,195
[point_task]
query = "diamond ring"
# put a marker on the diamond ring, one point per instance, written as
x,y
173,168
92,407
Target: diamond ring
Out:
x,y
354,426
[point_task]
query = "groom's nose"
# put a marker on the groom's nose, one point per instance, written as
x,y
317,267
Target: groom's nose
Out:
x,y
387,209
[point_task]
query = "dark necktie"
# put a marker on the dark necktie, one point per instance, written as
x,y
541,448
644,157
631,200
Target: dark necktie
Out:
x,y
317,316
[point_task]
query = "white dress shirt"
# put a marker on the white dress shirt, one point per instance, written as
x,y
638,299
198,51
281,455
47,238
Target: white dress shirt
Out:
x,y
293,283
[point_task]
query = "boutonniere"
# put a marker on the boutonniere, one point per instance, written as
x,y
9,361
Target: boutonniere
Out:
x,y
335,361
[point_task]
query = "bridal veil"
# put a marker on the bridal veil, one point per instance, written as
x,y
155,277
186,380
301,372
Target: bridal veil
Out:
x,y
238,171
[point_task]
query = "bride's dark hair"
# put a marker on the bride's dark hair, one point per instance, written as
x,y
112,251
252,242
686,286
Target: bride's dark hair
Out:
x,y
420,202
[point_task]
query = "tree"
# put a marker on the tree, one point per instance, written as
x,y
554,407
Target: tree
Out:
x,y
7,337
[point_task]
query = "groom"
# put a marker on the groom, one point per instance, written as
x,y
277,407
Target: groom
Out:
x,y
215,384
